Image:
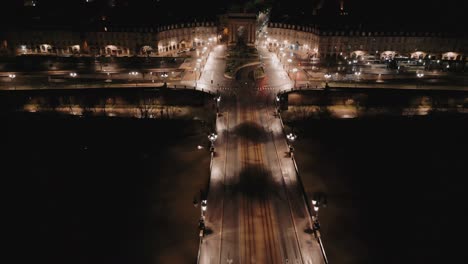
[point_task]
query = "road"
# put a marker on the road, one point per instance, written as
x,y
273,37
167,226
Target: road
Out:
x,y
109,72
256,212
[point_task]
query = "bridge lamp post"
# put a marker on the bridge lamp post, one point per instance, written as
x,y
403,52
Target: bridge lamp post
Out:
x,y
318,201
419,75
134,74
203,207
291,138
212,138
327,77
164,77
218,100
316,205
73,75
358,73
12,80
277,103
295,76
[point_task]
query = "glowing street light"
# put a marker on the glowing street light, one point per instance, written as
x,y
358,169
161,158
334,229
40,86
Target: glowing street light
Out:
x,y
419,75
73,75
134,74
212,138
12,78
327,77
204,206
218,100
319,200
291,138
358,74
316,206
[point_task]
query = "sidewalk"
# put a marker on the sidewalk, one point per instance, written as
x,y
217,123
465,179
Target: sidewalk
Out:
x,y
210,249
309,245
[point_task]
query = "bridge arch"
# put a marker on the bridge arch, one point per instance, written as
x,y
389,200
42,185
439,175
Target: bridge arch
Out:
x,y
388,55
183,44
451,56
418,55
45,48
146,50
74,49
114,50
358,54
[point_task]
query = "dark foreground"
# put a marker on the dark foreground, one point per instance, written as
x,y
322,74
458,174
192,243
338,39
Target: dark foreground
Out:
x,y
102,190
97,190
396,187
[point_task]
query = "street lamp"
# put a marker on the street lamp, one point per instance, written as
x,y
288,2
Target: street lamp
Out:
x,y
319,200
204,206
134,74
327,76
358,73
73,75
295,76
218,100
419,75
201,222
291,138
212,138
12,78
164,76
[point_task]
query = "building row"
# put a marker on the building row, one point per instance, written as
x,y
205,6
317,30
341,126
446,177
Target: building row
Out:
x,y
308,41
355,43
109,40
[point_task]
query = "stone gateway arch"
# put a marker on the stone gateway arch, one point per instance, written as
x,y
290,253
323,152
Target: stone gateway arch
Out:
x,y
242,27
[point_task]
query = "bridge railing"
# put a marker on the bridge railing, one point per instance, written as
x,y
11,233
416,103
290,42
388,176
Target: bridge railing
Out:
x,y
304,193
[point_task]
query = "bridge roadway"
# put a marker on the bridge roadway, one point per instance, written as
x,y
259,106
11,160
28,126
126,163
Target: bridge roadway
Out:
x,y
256,212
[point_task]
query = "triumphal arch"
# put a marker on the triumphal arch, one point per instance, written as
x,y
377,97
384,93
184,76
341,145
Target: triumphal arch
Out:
x,y
241,28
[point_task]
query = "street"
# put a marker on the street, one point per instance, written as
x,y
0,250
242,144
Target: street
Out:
x,y
256,212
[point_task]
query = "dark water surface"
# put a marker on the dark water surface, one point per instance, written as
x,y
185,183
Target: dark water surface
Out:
x,y
102,190
396,187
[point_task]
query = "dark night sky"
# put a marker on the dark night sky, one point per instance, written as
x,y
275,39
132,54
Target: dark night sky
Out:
x,y
398,12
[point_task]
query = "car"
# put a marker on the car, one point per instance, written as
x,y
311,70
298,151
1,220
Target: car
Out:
x,y
192,49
